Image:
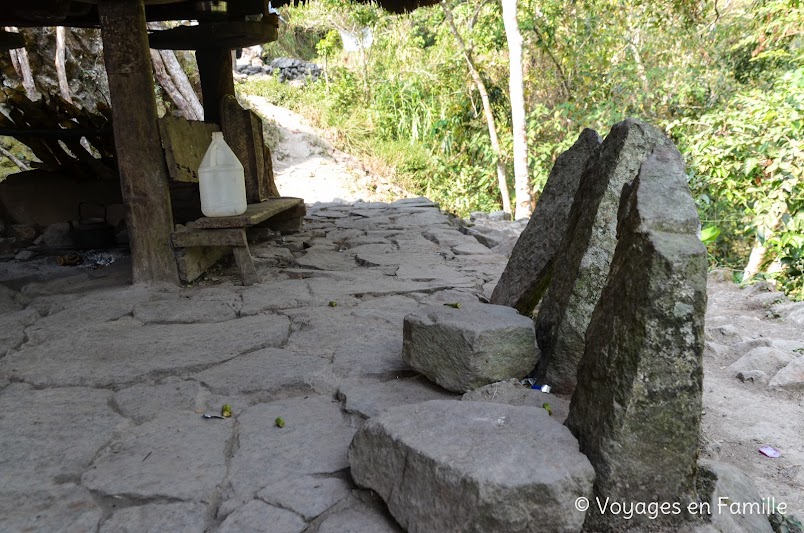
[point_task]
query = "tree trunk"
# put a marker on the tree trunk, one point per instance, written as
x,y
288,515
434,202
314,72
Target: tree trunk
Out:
x,y
502,180
14,159
61,73
182,84
517,91
634,41
168,83
19,58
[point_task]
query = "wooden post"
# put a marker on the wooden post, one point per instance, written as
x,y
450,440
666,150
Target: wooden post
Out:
x,y
215,71
143,174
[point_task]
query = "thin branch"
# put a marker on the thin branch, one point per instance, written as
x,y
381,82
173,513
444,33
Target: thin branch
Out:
x,y
14,159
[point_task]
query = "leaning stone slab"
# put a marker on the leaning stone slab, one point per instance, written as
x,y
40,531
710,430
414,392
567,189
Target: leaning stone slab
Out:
x,y
585,253
466,348
471,466
722,485
637,407
530,268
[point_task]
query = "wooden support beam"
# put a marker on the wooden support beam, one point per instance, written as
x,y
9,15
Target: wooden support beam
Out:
x,y
210,237
215,71
143,174
229,34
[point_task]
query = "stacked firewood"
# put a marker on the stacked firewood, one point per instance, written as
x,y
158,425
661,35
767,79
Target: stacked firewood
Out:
x,y
61,135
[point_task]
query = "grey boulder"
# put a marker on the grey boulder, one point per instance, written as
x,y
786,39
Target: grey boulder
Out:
x,y
447,465
466,348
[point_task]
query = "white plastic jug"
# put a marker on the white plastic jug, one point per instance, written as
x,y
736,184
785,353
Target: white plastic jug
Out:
x,y
221,180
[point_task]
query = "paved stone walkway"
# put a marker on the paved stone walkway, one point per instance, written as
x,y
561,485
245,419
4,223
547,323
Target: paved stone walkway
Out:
x,y
102,392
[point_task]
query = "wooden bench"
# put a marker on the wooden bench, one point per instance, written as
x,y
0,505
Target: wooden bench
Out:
x,y
203,242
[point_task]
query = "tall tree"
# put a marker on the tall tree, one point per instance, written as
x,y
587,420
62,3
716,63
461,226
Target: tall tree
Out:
x,y
517,92
61,71
502,179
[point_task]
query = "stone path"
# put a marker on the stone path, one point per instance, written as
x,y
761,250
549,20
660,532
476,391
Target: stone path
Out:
x,y
102,391
103,385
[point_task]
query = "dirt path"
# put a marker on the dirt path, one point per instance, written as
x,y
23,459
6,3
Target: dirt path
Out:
x,y
309,167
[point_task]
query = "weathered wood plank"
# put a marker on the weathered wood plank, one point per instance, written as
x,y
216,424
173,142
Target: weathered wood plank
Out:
x,y
185,142
193,262
257,156
209,237
246,265
255,214
140,160
229,35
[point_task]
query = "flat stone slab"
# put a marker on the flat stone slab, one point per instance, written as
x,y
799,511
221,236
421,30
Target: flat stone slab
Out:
x,y
357,516
259,517
12,328
123,351
511,392
371,400
465,348
68,314
308,496
143,402
188,447
472,466
284,294
50,436
184,311
328,332
66,507
156,518
273,373
314,440
326,260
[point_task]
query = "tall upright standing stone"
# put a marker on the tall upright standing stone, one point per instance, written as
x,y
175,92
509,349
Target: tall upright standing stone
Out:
x,y
637,408
584,256
528,272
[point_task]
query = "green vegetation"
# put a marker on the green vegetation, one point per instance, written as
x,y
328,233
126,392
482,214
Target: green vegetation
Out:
x,y
727,85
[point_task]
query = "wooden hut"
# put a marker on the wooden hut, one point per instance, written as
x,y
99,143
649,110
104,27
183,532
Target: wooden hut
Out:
x,y
138,144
